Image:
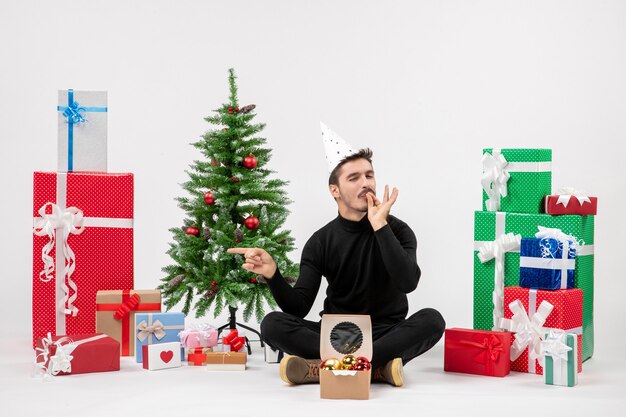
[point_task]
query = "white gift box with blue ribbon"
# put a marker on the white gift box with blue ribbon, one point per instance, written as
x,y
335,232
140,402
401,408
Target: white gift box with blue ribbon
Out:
x,y
548,261
82,131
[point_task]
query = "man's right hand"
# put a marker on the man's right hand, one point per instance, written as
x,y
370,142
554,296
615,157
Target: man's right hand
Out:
x,y
258,261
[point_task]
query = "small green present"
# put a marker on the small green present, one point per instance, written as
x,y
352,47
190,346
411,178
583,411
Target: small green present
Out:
x,y
516,180
560,358
490,225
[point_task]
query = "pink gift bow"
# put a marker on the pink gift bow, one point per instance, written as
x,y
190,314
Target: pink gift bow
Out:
x,y
200,331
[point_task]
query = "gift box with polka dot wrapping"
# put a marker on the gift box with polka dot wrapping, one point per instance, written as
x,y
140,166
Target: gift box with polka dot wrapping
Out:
x,y
525,190
103,251
485,225
566,315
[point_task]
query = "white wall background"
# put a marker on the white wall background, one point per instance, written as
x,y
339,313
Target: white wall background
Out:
x,y
426,84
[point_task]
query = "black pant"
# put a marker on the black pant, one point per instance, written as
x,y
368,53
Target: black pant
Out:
x,y
406,339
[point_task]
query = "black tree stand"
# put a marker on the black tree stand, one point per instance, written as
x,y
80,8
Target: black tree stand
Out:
x,y
232,325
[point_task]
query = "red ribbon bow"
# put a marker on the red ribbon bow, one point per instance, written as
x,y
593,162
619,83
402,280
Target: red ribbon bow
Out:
x,y
490,350
126,307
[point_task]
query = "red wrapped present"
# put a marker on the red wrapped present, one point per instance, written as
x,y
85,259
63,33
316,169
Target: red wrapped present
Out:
x,y
82,243
570,201
530,313
234,342
479,352
197,356
77,354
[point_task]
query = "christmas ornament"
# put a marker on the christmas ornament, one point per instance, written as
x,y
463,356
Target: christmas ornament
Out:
x,y
248,108
192,230
237,109
206,233
176,280
362,364
230,110
253,280
234,179
238,235
208,198
331,364
348,362
251,222
213,283
250,161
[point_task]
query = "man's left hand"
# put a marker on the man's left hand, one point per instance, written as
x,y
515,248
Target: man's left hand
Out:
x,y
377,212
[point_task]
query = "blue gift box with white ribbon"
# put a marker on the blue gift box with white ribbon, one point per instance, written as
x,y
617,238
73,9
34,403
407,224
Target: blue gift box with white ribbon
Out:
x,y
82,131
154,328
547,264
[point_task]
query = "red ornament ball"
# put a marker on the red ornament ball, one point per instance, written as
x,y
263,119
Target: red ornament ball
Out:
x,y
213,283
230,110
237,109
192,230
251,222
250,161
253,280
363,364
208,198
234,179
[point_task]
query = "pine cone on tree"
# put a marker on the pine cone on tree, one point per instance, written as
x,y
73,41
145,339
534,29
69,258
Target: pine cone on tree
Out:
x,y
212,292
176,280
248,108
206,233
238,235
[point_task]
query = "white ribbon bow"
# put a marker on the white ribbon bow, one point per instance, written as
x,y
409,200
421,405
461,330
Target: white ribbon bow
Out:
x,y
61,361
69,221
496,249
145,331
568,245
494,179
555,345
528,331
201,331
566,193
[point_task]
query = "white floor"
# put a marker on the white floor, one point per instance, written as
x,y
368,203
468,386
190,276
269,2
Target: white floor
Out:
x,y
258,391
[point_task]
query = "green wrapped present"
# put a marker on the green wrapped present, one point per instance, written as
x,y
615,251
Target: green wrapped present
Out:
x,y
516,180
489,225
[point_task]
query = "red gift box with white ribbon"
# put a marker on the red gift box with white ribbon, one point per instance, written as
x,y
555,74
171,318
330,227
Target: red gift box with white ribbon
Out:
x,y
570,201
530,313
82,243
77,354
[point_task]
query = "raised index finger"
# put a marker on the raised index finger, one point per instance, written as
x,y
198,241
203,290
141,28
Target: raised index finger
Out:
x,y
241,251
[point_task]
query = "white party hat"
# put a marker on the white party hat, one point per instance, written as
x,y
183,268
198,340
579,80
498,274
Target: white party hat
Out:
x,y
335,147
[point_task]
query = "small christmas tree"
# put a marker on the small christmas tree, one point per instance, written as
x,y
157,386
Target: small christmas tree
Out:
x,y
232,203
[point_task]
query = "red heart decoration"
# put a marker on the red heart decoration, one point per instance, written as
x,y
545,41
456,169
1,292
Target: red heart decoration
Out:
x,y
167,356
